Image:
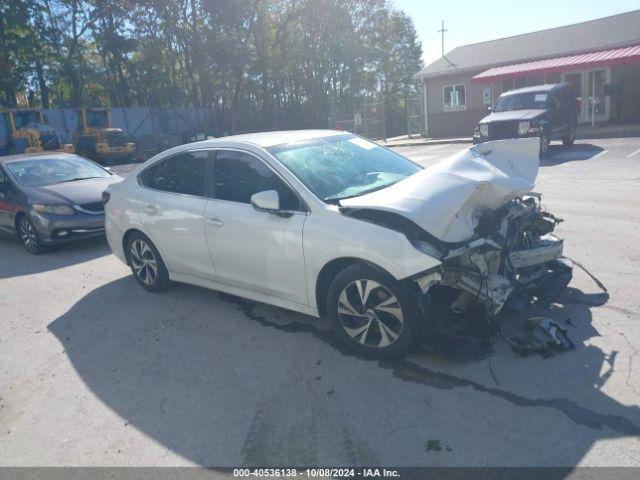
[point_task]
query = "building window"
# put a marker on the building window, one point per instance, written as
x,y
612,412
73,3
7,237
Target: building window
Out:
x,y
454,98
552,78
533,80
506,84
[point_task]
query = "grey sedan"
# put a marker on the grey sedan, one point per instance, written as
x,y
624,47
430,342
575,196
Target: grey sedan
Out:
x,y
52,198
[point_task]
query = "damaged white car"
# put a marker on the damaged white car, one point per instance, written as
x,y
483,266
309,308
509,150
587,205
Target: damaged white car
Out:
x,y
332,225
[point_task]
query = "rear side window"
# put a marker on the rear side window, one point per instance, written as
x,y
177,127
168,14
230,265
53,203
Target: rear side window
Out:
x,y
184,173
4,185
238,175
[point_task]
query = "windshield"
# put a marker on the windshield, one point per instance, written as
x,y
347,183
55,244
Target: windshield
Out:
x,y
23,119
42,171
97,118
343,166
522,101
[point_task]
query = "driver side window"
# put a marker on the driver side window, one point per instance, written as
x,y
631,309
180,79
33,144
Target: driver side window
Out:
x,y
238,175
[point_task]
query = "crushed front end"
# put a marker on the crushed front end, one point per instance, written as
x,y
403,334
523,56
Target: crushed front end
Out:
x,y
512,260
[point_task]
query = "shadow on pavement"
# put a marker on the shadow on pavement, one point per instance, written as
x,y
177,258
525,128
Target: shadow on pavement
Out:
x,y
226,382
15,261
559,154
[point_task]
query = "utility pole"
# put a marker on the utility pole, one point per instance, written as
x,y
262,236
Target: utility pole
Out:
x,y
441,31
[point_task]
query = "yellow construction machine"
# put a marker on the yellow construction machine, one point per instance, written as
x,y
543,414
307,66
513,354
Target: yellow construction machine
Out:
x,y
27,131
98,140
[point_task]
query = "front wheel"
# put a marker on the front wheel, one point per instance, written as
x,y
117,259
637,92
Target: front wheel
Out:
x,y
370,312
544,145
146,264
29,236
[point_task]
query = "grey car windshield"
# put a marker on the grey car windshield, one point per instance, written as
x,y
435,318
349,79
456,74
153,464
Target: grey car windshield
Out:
x,y
48,171
522,101
343,166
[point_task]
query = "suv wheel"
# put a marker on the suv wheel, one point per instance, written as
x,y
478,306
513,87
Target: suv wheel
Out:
x,y
544,144
146,264
29,236
370,312
569,139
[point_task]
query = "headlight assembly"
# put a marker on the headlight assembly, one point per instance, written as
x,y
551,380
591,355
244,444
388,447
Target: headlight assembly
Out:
x,y
54,209
484,129
523,127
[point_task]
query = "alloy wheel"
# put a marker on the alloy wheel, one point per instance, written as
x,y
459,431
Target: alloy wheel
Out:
x,y
28,234
144,262
370,313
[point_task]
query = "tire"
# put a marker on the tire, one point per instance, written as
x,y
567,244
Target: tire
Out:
x,y
146,264
544,145
383,326
28,235
569,139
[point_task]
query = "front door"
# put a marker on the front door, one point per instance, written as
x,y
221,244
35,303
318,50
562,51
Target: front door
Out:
x,y
251,249
171,209
7,204
598,105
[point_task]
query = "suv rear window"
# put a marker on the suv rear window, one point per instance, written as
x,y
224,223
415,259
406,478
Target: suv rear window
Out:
x,y
522,101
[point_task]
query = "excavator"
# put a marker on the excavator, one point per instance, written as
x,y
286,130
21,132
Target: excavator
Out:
x,y
98,140
27,131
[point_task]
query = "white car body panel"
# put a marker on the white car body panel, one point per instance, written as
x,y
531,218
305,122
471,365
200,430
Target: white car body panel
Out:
x,y
233,248
270,262
447,199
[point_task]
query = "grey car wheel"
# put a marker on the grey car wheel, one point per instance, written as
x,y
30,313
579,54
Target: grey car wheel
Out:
x,y
28,235
146,264
370,312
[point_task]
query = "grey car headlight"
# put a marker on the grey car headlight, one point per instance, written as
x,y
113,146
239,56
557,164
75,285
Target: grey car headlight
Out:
x,y
484,129
524,127
54,209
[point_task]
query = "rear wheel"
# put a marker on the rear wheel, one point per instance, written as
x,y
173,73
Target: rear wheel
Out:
x,y
146,264
29,236
370,312
571,137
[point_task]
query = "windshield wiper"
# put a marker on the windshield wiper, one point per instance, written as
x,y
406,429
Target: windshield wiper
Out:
x,y
359,194
76,179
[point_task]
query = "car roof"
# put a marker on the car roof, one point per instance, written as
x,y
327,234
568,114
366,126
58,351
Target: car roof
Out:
x,y
270,139
31,156
537,89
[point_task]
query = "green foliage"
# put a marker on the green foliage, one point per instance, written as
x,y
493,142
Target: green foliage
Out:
x,y
264,62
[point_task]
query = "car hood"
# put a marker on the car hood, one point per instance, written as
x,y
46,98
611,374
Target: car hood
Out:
x,y
75,193
513,115
446,200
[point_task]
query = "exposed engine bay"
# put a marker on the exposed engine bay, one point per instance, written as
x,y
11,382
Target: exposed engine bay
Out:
x,y
513,260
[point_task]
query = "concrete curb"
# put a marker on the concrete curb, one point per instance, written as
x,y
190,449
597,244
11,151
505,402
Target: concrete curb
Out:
x,y
436,141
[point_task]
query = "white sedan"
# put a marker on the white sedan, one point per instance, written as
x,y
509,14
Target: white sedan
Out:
x,y
332,225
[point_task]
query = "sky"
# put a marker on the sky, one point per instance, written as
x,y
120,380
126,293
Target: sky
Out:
x,y
480,20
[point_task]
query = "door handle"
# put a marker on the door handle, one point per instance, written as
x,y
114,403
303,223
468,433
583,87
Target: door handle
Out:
x,y
150,210
216,222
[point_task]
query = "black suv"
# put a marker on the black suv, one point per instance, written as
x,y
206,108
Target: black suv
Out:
x,y
546,111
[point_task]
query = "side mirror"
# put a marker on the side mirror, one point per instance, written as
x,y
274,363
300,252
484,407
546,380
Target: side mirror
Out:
x,y
490,108
267,201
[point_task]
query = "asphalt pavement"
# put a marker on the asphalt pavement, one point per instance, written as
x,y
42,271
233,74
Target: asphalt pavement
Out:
x,y
94,371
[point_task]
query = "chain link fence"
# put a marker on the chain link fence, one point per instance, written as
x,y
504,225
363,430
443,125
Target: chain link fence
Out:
x,y
385,118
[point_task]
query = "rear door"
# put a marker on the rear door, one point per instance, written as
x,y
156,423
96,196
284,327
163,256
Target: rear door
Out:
x,y
172,202
251,249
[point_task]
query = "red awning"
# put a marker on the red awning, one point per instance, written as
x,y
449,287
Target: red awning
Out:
x,y
602,58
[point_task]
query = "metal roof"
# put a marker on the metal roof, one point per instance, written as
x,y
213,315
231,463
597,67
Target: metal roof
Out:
x,y
601,58
601,34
